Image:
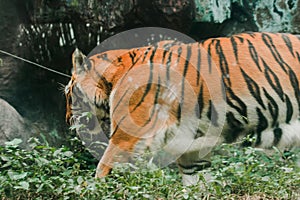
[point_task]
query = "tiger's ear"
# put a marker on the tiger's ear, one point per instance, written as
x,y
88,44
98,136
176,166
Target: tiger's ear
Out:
x,y
80,62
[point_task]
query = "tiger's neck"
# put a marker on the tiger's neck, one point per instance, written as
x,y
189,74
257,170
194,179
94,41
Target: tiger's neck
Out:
x,y
124,62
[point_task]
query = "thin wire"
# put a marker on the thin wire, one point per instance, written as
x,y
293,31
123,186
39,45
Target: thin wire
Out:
x,y
36,64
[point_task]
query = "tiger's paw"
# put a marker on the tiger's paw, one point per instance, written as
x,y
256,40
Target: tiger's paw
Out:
x,y
102,170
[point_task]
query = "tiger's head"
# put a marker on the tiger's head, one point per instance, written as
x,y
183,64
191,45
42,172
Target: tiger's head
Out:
x,y
87,91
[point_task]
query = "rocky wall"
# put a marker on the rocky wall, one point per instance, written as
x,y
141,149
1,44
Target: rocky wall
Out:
x,y
266,15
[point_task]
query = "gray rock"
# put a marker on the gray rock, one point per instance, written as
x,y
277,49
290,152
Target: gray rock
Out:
x,y
212,10
12,125
267,15
275,16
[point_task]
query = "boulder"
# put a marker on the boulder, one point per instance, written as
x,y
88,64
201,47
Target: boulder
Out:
x,y
12,125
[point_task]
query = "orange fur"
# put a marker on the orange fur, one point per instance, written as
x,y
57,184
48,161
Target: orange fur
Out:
x,y
260,74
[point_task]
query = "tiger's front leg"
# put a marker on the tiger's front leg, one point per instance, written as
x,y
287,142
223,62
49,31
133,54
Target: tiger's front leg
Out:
x,y
119,150
111,155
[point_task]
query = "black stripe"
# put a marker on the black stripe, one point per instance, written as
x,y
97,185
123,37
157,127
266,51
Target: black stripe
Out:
x,y
254,54
168,65
273,80
298,56
178,113
262,125
120,59
104,57
179,51
166,48
241,39
267,39
223,63
212,114
167,135
196,166
108,85
240,107
154,103
120,100
200,105
236,128
288,43
148,86
277,135
128,70
164,55
198,134
186,66
146,53
289,109
209,57
235,48
118,125
157,91
187,61
132,55
96,100
152,127
295,85
253,88
252,34
198,64
273,107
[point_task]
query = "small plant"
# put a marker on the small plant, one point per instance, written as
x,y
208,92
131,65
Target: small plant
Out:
x,y
85,116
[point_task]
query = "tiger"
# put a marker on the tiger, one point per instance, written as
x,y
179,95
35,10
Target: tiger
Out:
x,y
188,98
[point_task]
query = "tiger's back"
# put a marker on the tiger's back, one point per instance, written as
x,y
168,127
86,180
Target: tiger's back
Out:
x,y
187,98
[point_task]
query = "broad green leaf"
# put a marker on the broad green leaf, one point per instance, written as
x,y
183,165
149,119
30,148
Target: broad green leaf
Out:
x,y
68,153
8,164
67,172
80,180
14,142
41,161
16,176
5,158
23,185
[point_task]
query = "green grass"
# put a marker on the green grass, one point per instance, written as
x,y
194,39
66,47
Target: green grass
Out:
x,y
44,172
